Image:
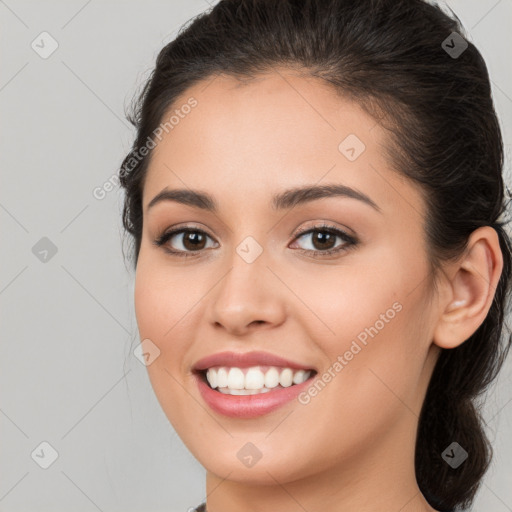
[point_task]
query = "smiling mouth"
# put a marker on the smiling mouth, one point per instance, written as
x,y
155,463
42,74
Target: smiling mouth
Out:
x,y
253,380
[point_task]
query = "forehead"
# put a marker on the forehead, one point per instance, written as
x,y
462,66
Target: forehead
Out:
x,y
279,109
255,137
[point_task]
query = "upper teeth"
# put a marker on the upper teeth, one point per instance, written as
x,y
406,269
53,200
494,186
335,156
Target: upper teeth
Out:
x,y
254,377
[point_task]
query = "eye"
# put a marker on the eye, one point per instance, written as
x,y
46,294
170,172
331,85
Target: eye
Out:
x,y
324,239
189,240
192,240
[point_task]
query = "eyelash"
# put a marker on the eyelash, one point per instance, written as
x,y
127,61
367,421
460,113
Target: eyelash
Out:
x,y
349,240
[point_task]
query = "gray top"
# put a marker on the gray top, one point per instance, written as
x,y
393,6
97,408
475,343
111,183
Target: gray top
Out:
x,y
202,508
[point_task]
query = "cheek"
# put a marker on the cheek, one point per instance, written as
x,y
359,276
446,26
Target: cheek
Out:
x,y
149,303
365,390
158,314
161,318
166,302
374,334
160,299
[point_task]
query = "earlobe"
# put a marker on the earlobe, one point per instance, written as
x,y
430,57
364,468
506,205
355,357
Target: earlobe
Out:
x,y
472,286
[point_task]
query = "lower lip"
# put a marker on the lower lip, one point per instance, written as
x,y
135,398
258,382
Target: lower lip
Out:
x,y
249,406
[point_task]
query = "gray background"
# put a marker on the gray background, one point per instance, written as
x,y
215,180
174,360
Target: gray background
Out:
x,y
68,324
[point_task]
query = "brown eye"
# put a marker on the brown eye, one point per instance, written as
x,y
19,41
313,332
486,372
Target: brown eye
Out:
x,y
183,241
323,240
193,240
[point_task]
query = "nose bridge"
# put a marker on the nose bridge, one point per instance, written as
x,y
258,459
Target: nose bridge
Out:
x,y
245,294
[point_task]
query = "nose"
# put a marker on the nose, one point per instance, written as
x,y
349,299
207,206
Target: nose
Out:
x,y
247,297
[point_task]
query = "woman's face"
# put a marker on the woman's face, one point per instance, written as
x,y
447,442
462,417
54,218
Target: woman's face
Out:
x,y
362,317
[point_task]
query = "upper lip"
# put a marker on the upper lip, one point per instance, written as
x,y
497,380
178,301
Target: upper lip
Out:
x,y
244,360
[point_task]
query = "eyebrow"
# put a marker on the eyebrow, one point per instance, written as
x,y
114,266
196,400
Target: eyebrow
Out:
x,y
284,200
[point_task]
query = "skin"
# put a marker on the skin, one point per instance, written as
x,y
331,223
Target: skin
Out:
x,y
352,446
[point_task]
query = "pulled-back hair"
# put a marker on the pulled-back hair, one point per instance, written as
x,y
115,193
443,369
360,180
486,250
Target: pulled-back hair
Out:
x,y
401,62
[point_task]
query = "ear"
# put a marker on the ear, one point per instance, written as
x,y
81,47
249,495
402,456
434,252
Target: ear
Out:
x,y
471,285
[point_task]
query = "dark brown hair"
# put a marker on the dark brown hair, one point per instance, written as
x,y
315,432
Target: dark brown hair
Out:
x,y
397,59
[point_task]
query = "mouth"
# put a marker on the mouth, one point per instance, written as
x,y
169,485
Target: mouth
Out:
x,y
253,380
250,384
253,391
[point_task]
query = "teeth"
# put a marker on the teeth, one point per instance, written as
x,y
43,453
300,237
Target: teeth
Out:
x,y
235,381
286,378
236,378
272,378
222,378
228,391
254,379
299,377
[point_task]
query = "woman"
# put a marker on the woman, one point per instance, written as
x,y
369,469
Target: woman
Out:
x,y
316,205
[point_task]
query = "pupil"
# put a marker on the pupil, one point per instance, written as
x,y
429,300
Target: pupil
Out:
x,y
194,238
323,238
